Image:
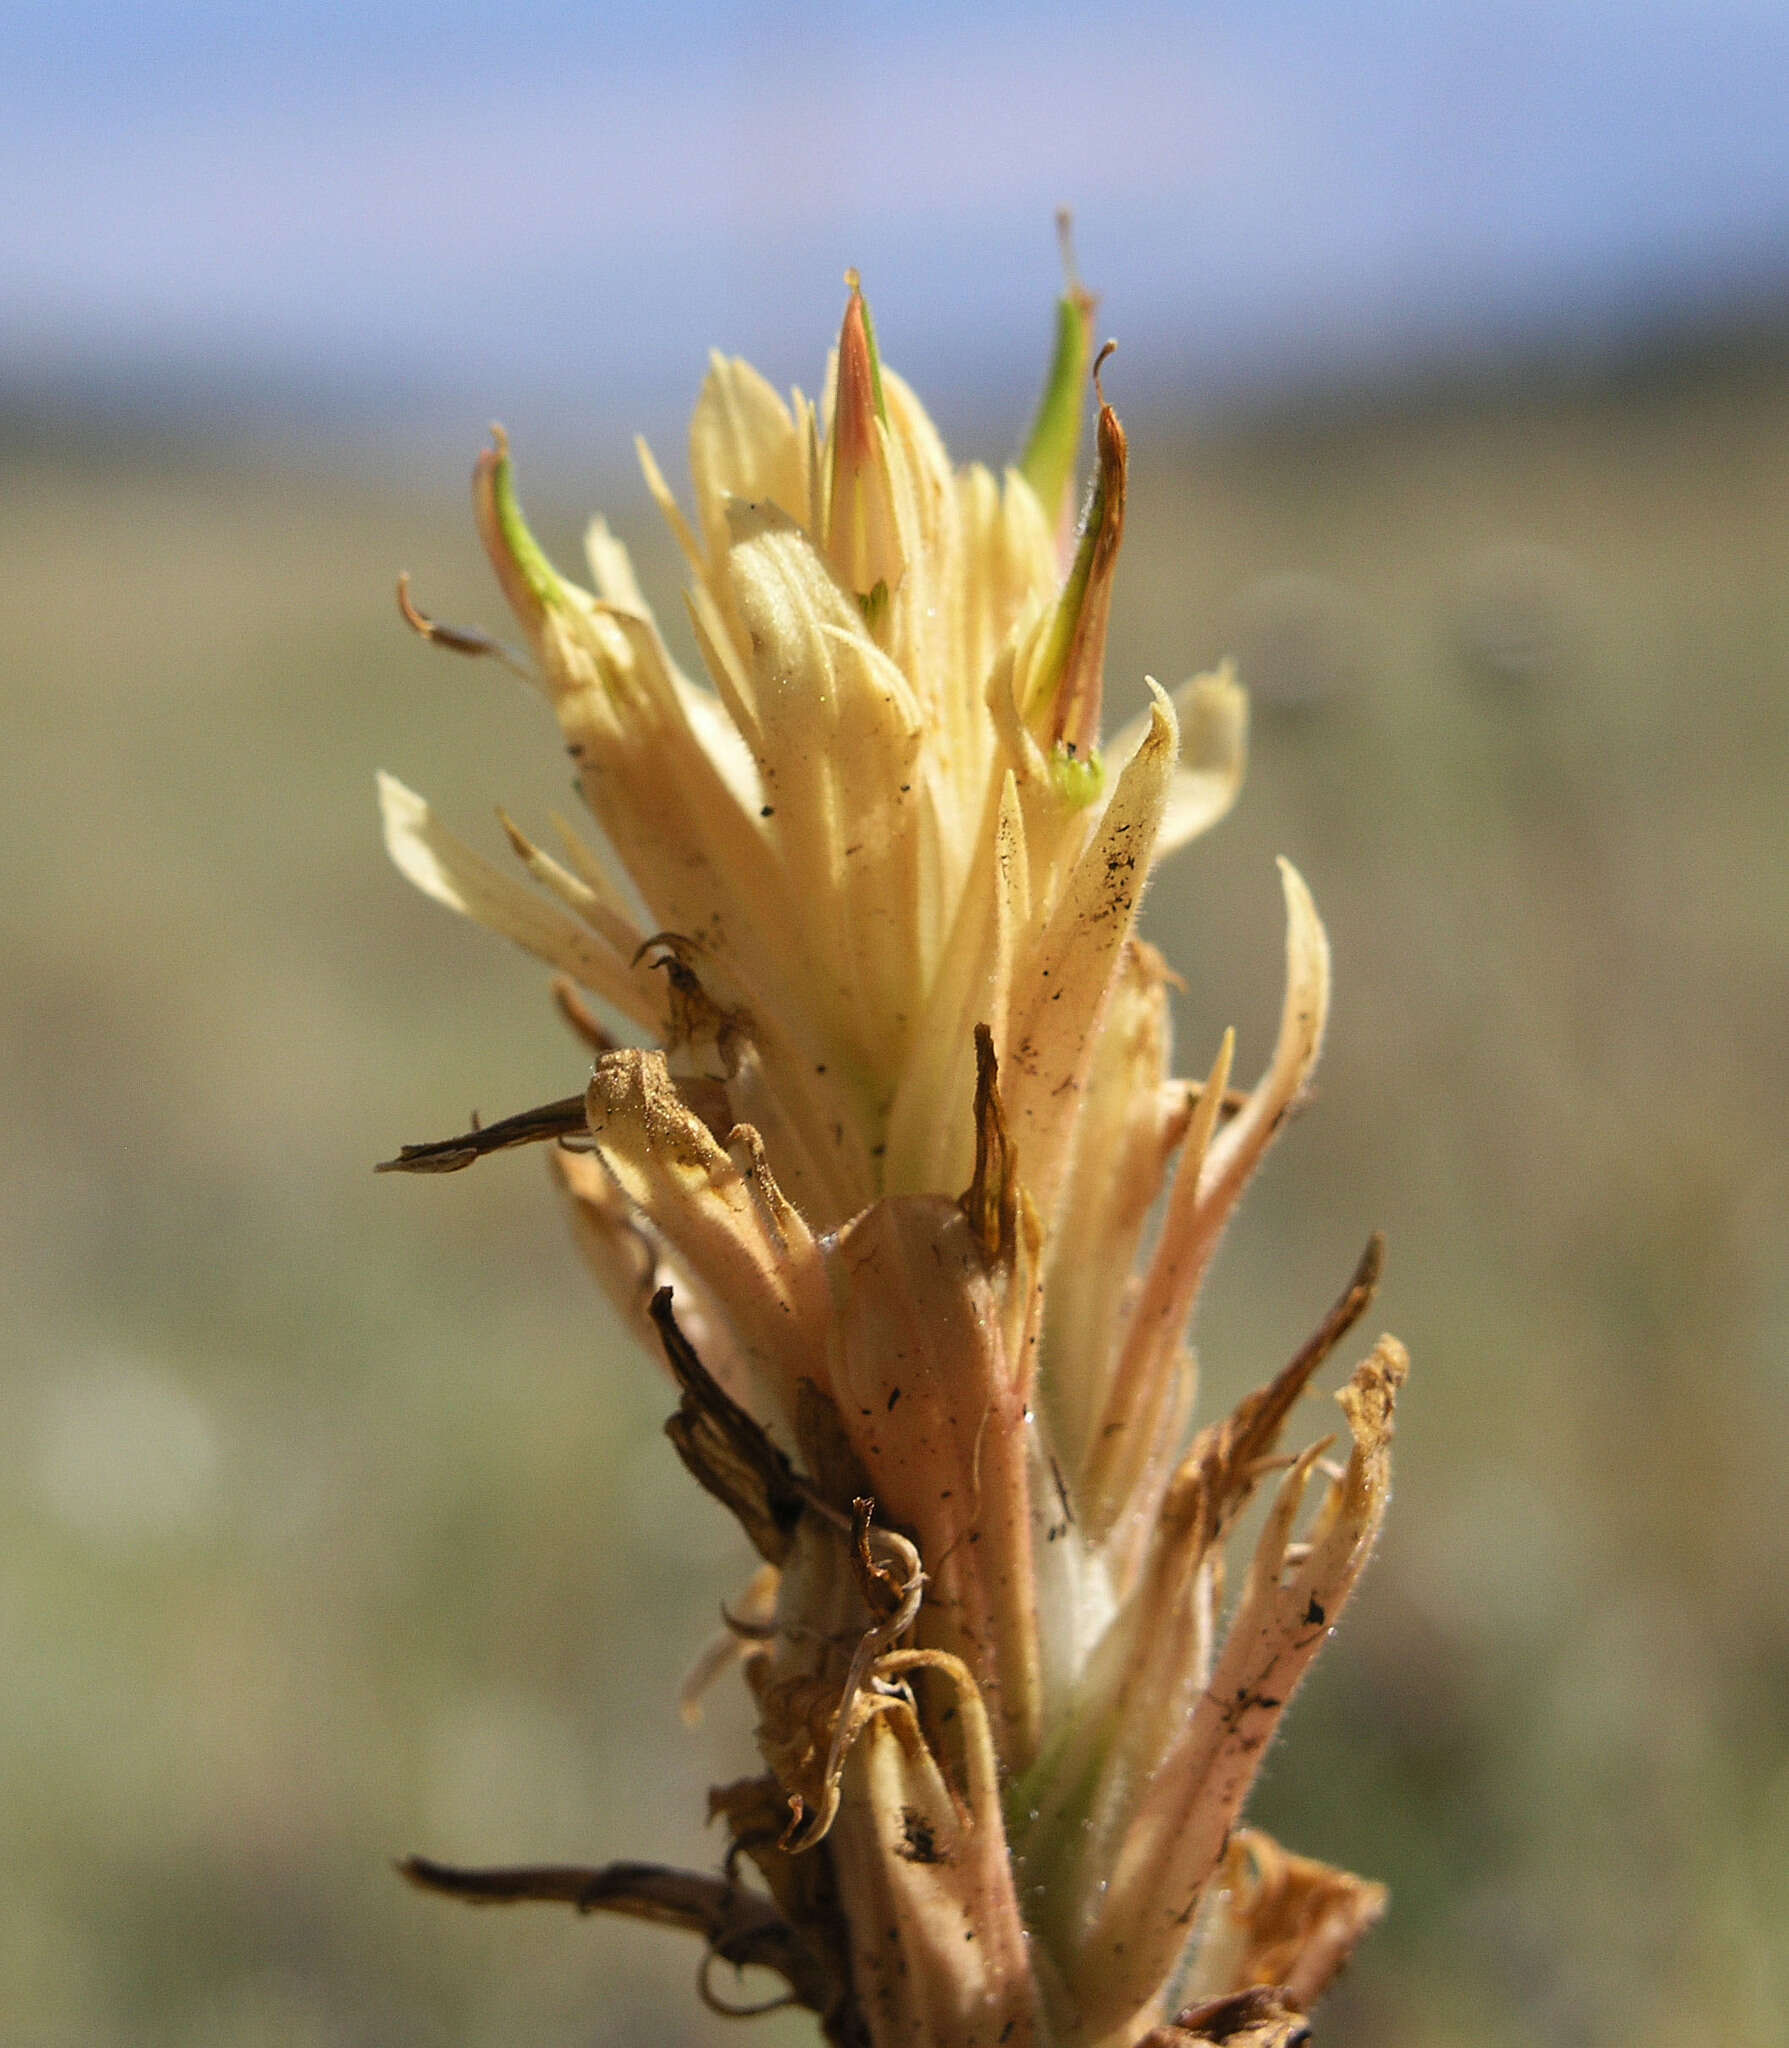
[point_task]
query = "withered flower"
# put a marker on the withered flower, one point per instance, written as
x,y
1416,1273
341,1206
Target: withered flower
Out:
x,y
902,1187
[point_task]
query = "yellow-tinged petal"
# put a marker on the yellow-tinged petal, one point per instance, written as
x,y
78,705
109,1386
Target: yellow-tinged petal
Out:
x,y
1238,1148
1134,1905
931,1134
1132,1118
620,1252
1060,988
661,768
1144,1676
589,867
921,628
709,877
1214,727
1009,568
826,1168
583,898
1128,1449
718,733
717,636
1127,1436
631,1263
744,449
612,568
667,504
723,1213
444,867
839,767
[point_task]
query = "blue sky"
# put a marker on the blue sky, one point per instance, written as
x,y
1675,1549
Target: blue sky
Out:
x,y
466,205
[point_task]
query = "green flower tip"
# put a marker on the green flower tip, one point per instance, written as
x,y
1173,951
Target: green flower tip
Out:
x,y
1078,778
1054,443
529,580
1062,702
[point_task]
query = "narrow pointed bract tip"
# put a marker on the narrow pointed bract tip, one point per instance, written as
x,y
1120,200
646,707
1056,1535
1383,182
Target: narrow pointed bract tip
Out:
x,y
1065,690
863,537
1053,444
1072,286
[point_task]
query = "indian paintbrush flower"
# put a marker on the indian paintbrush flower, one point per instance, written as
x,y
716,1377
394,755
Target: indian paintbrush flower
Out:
x,y
898,1180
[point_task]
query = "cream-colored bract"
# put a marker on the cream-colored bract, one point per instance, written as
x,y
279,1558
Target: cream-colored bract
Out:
x,y
881,1186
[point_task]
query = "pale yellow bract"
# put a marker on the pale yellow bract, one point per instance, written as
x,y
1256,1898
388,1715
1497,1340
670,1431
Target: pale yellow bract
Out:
x,y
881,1185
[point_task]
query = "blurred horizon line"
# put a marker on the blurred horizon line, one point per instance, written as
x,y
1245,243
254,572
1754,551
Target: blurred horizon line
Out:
x,y
192,402
398,221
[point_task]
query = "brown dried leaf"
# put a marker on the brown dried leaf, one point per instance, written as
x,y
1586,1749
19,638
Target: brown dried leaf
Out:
x,y
726,1452
1263,2018
552,1121
1282,1919
740,1927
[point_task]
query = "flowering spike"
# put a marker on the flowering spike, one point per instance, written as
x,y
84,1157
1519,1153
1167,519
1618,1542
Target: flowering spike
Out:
x,y
1054,442
893,1147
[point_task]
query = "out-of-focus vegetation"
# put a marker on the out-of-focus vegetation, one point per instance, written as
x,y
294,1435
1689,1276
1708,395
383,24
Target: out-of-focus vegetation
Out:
x,y
338,1524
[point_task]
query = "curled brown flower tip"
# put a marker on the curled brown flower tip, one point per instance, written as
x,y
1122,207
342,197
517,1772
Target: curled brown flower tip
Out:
x,y
883,1590
705,1031
470,640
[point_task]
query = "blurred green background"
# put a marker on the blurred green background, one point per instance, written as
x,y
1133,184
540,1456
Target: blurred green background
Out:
x,y
336,1523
